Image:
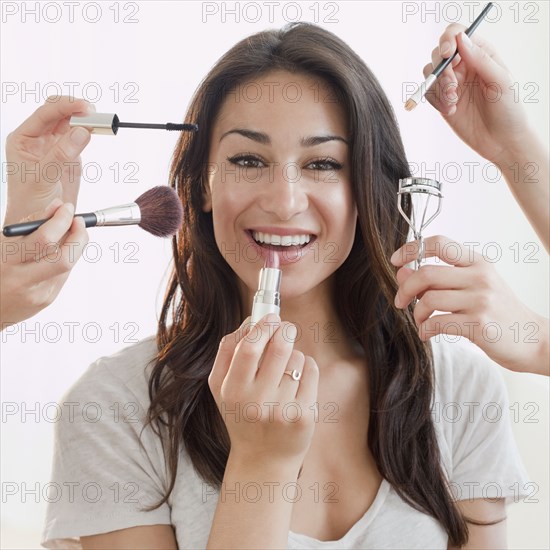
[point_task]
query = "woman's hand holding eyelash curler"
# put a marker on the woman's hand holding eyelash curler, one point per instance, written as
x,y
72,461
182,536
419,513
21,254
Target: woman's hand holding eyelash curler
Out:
x,y
479,305
253,393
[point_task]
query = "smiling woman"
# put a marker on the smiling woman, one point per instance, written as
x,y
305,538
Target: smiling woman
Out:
x,y
227,452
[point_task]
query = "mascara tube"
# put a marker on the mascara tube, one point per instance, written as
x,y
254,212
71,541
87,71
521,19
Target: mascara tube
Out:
x,y
267,298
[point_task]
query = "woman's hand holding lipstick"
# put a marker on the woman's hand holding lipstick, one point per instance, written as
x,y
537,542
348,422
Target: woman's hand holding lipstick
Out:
x,y
479,305
270,420
251,390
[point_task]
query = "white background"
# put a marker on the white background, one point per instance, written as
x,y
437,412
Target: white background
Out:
x,y
158,61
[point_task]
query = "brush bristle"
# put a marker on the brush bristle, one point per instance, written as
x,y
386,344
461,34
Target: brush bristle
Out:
x,y
161,211
410,105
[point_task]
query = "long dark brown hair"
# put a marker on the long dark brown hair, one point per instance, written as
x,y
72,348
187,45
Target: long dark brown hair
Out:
x,y
202,302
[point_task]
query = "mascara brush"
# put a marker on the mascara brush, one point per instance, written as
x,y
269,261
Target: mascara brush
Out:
x,y
158,211
109,123
414,100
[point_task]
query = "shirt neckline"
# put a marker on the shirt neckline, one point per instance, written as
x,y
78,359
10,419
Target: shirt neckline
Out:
x,y
357,528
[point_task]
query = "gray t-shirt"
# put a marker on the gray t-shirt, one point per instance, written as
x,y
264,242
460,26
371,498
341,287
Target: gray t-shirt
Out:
x,y
102,475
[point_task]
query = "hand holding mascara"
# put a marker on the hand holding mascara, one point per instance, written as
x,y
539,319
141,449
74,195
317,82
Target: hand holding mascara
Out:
x,y
109,123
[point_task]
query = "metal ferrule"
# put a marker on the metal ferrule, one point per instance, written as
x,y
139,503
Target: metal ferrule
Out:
x,y
125,214
97,123
268,287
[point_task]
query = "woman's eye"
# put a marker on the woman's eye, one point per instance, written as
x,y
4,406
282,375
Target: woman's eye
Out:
x,y
251,161
246,161
326,164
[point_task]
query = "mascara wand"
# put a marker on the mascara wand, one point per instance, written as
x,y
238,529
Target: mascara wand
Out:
x,y
109,123
158,211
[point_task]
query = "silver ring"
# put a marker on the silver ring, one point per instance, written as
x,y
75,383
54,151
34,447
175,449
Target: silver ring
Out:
x,y
295,374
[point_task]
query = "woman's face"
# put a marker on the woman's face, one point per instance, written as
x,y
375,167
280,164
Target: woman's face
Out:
x,y
279,167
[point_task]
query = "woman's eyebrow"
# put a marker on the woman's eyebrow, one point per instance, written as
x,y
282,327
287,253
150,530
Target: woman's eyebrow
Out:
x,y
264,139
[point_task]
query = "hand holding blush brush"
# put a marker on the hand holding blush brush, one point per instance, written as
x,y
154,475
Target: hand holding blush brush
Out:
x,y
158,211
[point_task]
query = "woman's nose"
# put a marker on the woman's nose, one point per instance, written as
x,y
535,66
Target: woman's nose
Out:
x,y
283,193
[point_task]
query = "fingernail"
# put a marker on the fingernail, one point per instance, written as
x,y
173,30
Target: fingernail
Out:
x,y
445,49
273,318
79,135
397,301
291,333
466,39
69,207
394,257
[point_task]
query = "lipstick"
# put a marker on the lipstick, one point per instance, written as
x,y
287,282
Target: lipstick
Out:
x,y
267,298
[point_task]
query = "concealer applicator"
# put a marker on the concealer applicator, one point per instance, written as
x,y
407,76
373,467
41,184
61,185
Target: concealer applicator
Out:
x,y
158,211
414,100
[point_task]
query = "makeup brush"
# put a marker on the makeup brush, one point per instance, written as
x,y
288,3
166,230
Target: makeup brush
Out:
x,y
109,123
158,211
414,100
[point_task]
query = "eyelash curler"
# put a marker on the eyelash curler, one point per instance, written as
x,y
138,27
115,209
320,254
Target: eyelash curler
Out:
x,y
419,191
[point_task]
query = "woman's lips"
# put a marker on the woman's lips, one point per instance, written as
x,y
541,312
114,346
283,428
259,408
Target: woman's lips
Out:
x,y
287,255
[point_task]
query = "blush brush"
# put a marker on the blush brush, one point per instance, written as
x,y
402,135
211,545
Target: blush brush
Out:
x,y
158,211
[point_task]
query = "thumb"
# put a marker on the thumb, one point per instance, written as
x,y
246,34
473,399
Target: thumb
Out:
x,y
475,57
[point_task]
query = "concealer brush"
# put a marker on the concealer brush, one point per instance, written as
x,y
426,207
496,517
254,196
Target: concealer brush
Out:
x,y
158,211
109,123
414,100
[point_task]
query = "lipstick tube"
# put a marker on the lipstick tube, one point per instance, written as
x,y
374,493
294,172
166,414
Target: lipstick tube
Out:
x,y
267,298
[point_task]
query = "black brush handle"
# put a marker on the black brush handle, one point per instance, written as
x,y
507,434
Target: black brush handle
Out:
x,y
469,31
26,228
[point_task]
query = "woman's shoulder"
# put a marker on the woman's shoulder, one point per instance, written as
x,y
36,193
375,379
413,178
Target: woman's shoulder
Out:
x,y
122,374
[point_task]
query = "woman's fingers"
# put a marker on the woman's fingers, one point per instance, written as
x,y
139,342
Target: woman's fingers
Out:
x,y
307,389
480,60
288,387
224,356
414,283
60,259
451,252
47,117
441,300
447,41
43,240
428,277
276,356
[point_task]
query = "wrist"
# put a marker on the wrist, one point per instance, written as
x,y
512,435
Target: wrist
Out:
x,y
261,466
527,149
541,359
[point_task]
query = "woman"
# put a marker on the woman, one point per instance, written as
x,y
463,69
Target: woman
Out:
x,y
197,446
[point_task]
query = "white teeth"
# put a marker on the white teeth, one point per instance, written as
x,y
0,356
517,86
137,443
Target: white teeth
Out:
x,y
286,240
